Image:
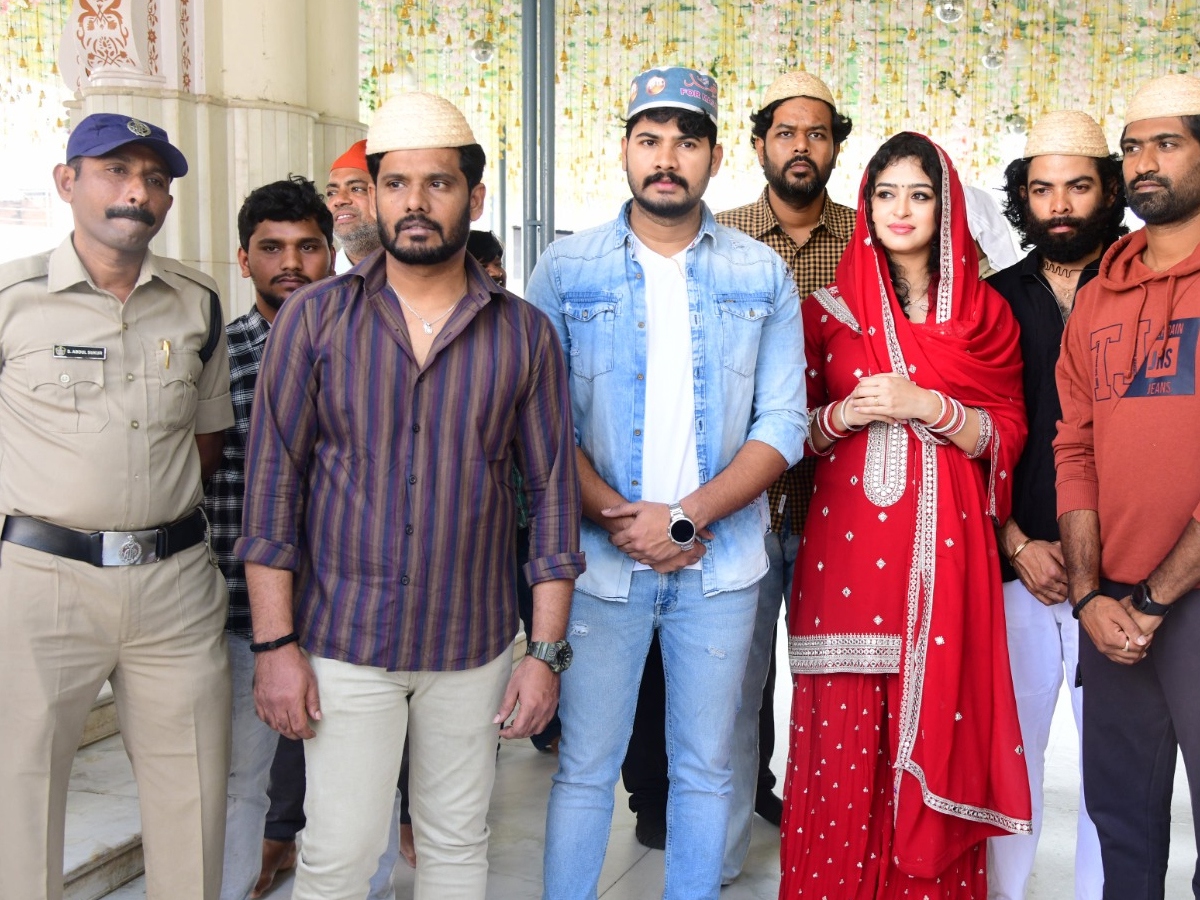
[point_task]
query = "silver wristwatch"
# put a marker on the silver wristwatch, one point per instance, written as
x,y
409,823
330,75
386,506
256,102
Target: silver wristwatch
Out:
x,y
681,529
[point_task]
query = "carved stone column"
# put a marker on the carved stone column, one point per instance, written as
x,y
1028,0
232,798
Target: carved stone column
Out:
x,y
250,90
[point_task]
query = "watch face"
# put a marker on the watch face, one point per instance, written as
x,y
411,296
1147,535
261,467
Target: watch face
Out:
x,y
564,657
682,531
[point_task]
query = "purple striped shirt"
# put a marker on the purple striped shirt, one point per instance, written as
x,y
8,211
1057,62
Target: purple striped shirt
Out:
x,y
387,488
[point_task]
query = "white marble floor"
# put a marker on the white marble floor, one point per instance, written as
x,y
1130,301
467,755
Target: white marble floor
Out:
x,y
631,872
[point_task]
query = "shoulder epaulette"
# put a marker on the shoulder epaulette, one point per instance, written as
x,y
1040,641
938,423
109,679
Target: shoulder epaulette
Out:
x,y
25,269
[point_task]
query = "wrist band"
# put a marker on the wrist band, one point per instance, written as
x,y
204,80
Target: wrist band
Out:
x,y
1025,543
1084,601
275,644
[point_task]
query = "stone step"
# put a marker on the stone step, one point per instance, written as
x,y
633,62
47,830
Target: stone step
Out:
x,y
102,720
103,847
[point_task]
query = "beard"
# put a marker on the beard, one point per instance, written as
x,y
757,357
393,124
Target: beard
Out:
x,y
1089,234
1174,203
360,240
792,192
664,209
427,254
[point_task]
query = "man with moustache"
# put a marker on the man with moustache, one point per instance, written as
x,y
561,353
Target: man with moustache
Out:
x,y
1065,197
392,404
1129,494
349,195
797,134
686,358
285,234
114,395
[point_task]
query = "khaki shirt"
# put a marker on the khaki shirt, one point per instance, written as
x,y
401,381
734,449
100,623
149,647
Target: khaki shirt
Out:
x,y
100,401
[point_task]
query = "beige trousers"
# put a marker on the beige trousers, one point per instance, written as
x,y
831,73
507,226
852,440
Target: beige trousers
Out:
x,y
156,632
354,761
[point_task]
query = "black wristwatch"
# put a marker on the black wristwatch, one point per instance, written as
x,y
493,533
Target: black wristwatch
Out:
x,y
681,529
556,654
1144,603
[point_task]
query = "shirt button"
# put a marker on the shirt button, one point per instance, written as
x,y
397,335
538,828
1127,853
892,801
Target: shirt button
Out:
x,y
408,529
634,482
420,378
124,326
64,378
416,429
134,424
637,432
641,377
412,479
129,377
638,276
641,324
404,579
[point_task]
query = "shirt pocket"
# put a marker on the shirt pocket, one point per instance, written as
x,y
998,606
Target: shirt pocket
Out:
x,y
177,384
742,316
591,321
69,393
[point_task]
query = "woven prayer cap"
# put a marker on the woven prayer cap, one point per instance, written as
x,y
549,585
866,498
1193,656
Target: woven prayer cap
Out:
x,y
1066,132
418,121
1165,97
797,84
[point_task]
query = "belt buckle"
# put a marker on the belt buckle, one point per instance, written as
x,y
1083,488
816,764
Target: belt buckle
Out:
x,y
128,548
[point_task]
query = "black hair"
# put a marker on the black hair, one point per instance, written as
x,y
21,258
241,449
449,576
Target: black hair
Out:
x,y
908,145
294,199
691,123
484,246
1112,184
471,160
76,163
765,118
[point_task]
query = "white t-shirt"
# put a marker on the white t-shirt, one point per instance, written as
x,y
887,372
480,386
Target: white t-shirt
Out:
x,y
670,469
341,262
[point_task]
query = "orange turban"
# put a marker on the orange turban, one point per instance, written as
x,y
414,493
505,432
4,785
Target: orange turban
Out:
x,y
354,158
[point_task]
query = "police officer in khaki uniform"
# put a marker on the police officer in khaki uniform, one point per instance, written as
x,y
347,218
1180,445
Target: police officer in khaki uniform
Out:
x,y
114,393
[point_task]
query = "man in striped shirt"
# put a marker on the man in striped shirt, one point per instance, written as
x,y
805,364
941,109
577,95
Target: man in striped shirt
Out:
x,y
380,517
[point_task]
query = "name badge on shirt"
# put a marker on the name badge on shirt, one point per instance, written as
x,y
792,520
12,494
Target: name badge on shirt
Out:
x,y
73,351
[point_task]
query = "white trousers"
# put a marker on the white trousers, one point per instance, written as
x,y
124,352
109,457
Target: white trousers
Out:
x,y
1043,647
354,761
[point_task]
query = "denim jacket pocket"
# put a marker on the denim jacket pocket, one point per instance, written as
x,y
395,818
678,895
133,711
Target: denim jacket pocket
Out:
x,y
591,320
742,317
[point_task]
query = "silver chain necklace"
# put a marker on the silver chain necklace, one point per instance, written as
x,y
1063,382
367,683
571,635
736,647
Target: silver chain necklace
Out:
x,y
426,324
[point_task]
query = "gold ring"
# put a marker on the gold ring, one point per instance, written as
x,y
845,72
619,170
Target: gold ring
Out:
x,y
1126,643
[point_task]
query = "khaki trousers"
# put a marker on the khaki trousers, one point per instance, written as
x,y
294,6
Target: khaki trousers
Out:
x,y
354,761
156,633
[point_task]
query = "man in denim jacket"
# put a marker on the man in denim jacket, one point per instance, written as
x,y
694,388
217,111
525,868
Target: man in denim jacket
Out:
x,y
685,348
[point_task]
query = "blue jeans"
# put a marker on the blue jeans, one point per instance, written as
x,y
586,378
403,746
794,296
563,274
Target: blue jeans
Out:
x,y
772,591
704,642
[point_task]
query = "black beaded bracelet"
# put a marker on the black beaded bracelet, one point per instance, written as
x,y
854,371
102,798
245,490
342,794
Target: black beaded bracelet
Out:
x,y
1075,610
275,644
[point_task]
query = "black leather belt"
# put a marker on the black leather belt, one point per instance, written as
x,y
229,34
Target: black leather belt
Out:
x,y
107,548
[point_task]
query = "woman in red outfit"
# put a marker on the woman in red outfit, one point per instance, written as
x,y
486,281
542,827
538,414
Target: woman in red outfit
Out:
x,y
906,751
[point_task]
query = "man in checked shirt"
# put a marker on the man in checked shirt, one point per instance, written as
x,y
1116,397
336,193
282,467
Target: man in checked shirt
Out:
x,y
286,237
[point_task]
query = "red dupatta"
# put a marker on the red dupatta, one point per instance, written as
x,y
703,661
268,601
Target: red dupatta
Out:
x,y
960,769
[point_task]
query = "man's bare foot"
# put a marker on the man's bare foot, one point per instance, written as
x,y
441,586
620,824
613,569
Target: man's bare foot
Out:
x,y
408,849
277,856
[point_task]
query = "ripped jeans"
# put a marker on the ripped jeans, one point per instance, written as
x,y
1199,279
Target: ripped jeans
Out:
x,y
705,642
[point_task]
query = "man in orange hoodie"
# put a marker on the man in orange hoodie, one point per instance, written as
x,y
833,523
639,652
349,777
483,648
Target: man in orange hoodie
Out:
x,y
1129,494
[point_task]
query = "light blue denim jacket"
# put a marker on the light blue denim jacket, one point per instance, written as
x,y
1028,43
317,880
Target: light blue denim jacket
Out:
x,y
748,376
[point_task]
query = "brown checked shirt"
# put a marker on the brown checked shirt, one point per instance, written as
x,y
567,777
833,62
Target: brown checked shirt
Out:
x,y
812,264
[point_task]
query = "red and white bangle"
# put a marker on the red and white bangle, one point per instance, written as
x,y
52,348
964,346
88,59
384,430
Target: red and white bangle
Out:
x,y
952,419
825,423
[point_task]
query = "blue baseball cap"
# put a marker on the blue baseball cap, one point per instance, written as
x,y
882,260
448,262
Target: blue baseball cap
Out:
x,y
101,133
673,86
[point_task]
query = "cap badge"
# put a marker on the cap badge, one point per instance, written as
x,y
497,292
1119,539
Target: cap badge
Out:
x,y
141,129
